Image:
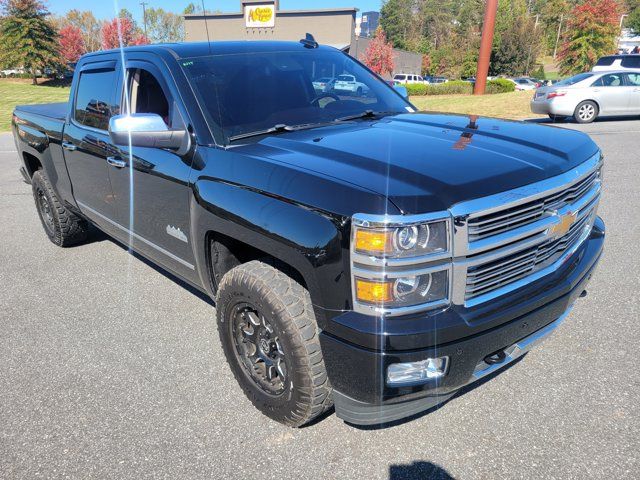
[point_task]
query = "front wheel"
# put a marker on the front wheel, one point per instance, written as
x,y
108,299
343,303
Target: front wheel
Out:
x,y
270,339
586,112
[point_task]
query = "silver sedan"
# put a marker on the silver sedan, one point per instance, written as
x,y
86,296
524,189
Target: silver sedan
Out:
x,y
587,96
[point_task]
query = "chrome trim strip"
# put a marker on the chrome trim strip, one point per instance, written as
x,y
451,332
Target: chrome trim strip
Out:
x,y
519,348
136,236
464,211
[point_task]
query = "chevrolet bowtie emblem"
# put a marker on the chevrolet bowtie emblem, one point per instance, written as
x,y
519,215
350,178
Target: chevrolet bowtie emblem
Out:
x,y
562,228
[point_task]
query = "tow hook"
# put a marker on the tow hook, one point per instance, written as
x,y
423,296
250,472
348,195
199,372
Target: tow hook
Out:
x,y
495,358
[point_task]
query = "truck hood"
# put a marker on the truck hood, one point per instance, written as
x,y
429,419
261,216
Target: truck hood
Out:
x,y
428,162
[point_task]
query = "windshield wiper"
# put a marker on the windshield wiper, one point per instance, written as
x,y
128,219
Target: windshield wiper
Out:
x,y
280,128
275,129
365,114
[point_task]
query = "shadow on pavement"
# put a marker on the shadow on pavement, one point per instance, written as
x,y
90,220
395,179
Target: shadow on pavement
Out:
x,y
418,470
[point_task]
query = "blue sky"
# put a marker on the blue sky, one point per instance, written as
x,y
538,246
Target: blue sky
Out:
x,y
106,8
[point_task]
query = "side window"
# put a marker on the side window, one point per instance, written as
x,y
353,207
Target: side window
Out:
x,y
93,98
612,80
631,61
147,96
605,62
634,79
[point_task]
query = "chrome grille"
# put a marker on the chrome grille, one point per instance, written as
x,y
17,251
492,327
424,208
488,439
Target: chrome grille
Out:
x,y
490,276
488,225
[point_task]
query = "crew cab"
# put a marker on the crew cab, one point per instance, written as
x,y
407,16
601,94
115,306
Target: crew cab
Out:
x,y
360,253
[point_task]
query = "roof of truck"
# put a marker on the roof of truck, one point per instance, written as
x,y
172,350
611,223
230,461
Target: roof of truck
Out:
x,y
200,49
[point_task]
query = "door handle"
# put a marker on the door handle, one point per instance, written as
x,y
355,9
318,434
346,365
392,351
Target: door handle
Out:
x,y
116,162
69,146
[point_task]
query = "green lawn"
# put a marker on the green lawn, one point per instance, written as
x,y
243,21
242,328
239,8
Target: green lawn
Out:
x,y
19,92
513,105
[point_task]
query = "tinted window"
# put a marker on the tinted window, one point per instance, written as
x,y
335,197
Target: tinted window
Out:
x,y
249,92
605,61
93,106
611,80
631,61
634,79
575,79
400,77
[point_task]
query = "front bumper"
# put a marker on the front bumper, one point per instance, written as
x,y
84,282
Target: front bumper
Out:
x,y
357,362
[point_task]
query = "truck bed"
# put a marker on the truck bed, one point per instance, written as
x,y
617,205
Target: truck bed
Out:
x,y
57,111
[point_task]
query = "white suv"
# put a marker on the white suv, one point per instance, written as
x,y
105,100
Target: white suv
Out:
x,y
617,62
408,78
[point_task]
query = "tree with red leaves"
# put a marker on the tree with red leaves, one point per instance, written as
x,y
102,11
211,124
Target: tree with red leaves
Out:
x,y
121,32
591,33
379,54
71,44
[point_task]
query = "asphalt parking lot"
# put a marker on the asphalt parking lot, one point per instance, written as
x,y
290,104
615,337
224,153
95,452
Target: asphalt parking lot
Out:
x,y
109,369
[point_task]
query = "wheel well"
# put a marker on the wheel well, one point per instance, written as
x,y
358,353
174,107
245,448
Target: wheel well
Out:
x,y
224,253
590,100
32,163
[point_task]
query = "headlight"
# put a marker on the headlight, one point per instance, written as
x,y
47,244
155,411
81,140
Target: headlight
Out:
x,y
403,241
429,289
400,264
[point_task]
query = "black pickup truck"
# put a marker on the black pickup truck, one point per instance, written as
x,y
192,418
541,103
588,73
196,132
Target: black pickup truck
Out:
x,y
360,254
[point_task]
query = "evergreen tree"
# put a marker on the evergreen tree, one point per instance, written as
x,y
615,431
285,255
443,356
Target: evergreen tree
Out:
x,y
28,38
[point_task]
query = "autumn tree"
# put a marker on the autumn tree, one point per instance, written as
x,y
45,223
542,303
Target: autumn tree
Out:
x,y
89,26
164,27
592,30
379,54
27,37
71,44
121,32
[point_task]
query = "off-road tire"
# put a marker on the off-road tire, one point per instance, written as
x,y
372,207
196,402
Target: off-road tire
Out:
x,y
591,106
64,227
287,305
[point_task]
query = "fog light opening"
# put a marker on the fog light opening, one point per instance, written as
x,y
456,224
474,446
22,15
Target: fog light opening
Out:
x,y
399,374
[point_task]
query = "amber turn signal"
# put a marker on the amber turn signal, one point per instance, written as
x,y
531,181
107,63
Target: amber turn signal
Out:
x,y
374,241
374,292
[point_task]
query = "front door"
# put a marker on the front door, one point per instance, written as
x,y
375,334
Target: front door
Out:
x,y
86,141
152,190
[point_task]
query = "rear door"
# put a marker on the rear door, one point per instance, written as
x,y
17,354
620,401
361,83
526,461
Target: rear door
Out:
x,y
613,93
152,190
86,140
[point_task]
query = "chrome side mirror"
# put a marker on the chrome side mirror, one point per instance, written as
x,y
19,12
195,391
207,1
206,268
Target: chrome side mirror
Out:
x,y
147,130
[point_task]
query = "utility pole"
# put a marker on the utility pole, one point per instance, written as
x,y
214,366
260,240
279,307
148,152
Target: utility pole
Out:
x,y
555,49
144,16
488,27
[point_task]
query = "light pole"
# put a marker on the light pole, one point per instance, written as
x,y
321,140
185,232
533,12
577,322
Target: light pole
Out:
x,y
486,43
144,16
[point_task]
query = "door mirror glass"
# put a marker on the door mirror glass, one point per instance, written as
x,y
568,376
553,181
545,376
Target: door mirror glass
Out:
x,y
146,130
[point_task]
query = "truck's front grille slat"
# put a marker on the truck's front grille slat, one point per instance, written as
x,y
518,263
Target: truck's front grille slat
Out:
x,y
481,226
489,276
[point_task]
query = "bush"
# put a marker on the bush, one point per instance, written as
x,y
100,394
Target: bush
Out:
x,y
449,88
416,89
500,85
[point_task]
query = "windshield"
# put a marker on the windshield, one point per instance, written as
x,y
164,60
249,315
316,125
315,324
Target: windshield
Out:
x,y
575,79
250,92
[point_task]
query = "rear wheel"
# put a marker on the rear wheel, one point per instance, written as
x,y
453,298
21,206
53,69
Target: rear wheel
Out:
x,y
63,227
586,112
270,338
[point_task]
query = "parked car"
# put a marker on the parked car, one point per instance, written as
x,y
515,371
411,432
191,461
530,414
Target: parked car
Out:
x,y
324,84
350,85
436,80
523,84
357,256
12,72
617,63
590,95
408,78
